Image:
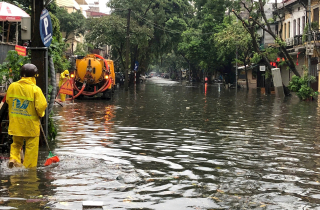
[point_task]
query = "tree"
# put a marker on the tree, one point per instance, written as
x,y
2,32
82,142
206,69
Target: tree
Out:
x,y
257,19
165,20
234,38
111,30
71,23
198,44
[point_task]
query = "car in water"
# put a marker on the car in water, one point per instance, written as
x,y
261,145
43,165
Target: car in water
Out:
x,y
142,78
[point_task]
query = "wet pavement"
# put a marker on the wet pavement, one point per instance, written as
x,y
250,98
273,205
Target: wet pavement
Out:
x,y
170,145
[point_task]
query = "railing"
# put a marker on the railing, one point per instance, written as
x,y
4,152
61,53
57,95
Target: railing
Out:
x,y
298,40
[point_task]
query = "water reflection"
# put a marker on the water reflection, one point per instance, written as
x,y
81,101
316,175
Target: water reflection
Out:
x,y
165,145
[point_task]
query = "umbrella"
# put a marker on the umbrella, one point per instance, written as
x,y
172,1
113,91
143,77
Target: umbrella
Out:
x,y
11,13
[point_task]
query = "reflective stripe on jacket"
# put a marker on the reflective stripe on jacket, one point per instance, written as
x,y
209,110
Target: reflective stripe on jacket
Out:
x,y
26,104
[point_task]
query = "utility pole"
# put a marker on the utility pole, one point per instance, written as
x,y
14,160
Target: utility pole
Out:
x,y
39,54
237,69
189,72
126,83
309,39
237,66
37,48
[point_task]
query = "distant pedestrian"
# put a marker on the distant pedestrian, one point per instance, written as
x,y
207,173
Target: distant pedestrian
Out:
x,y
64,76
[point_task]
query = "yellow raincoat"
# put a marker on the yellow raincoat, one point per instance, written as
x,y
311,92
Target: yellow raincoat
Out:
x,y
64,76
26,104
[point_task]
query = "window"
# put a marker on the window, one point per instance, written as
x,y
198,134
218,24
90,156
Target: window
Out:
x,y
303,22
316,16
285,31
298,26
294,27
288,29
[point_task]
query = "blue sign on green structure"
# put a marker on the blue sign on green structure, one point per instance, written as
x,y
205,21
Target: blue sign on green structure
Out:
x,y
45,28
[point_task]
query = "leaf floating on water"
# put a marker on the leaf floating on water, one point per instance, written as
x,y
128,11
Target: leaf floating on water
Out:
x,y
127,201
3,181
142,153
220,191
263,205
215,198
35,200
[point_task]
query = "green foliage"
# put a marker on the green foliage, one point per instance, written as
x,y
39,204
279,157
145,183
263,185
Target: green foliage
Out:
x,y
271,20
256,57
55,27
82,49
23,4
71,23
306,92
294,84
10,69
52,128
271,53
56,50
314,26
300,86
280,42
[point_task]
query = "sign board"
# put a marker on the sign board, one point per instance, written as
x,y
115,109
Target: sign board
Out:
x,y
136,65
45,28
67,88
21,50
262,68
25,28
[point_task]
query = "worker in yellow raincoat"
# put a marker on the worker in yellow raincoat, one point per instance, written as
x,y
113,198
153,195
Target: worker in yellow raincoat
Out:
x,y
26,104
64,76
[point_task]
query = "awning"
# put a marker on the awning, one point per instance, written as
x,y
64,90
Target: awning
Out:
x,y
11,13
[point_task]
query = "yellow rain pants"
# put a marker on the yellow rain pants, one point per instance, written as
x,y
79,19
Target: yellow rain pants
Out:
x,y
26,103
64,76
31,153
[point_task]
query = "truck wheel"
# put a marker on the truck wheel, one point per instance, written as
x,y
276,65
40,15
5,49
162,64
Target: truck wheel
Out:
x,y
107,94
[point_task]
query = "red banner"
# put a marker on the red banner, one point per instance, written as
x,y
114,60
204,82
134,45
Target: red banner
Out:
x,y
21,50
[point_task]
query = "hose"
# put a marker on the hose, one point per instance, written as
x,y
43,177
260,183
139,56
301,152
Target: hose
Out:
x,y
53,83
86,93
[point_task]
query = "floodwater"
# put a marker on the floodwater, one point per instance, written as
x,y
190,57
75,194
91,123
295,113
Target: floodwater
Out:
x,y
170,145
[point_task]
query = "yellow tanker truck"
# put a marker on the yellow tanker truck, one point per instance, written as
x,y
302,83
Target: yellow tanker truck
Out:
x,y
93,75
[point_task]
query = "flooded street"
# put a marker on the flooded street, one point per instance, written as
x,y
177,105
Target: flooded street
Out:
x,y
170,145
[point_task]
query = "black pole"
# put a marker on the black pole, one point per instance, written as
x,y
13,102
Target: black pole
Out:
x,y
38,55
39,52
126,83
